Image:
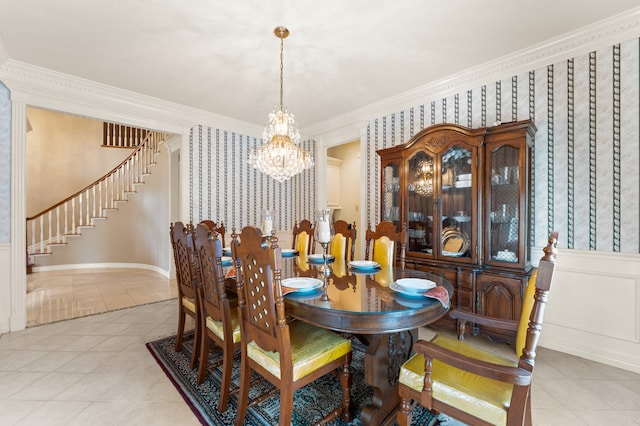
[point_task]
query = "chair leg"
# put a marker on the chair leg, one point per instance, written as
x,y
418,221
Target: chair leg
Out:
x,y
227,366
286,405
528,420
180,333
243,396
404,413
345,381
204,357
196,344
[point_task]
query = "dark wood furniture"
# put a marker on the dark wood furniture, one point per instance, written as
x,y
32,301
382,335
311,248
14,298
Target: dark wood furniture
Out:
x,y
362,304
386,255
303,237
213,226
471,384
464,195
344,240
218,318
188,283
290,354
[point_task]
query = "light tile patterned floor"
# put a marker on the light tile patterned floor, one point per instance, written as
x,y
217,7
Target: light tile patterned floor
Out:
x,y
59,295
96,370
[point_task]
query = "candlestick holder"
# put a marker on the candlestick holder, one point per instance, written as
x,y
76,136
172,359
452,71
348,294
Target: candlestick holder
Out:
x,y
323,235
325,269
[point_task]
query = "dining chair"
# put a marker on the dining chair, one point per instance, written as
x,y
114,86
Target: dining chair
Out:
x,y
188,283
213,226
470,383
218,318
288,353
385,244
343,244
303,237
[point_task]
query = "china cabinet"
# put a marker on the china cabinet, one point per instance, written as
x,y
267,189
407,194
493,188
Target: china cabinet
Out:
x,y
463,195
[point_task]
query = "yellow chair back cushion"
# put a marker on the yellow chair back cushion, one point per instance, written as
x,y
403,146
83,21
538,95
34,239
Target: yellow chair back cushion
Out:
x,y
338,246
527,306
484,398
311,348
384,251
302,243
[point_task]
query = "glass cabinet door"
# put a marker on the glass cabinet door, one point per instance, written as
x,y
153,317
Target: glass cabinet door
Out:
x,y
391,194
504,202
456,207
420,178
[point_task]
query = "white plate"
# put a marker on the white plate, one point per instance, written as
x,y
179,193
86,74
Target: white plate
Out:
x,y
364,264
227,260
462,218
452,253
226,250
289,252
398,289
415,285
318,258
302,284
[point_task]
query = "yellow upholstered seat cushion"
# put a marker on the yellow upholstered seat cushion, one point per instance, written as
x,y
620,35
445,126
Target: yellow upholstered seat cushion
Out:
x,y
338,246
527,306
484,398
302,243
189,303
383,251
311,348
216,326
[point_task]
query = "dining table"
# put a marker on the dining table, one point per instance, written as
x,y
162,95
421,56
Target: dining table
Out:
x,y
366,302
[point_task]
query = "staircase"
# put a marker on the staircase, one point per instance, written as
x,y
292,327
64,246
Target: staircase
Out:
x,y
67,218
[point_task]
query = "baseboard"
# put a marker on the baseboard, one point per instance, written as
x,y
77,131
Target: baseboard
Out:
x,y
102,265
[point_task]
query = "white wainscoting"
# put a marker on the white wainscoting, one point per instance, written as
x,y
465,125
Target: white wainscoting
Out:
x,y
594,307
5,287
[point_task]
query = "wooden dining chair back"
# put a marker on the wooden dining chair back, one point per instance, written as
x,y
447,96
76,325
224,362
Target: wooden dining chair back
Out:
x,y
188,283
218,318
213,226
303,237
343,244
385,244
473,384
289,354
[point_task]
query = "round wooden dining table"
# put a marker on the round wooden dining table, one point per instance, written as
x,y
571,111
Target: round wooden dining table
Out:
x,y
364,303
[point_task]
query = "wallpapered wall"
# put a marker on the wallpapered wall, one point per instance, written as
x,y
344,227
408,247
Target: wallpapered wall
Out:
x,y
587,150
5,165
224,187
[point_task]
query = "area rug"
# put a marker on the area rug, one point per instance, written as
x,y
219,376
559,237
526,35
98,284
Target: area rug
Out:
x,y
309,403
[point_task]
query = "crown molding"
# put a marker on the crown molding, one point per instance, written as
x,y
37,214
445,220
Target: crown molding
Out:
x,y
41,87
602,34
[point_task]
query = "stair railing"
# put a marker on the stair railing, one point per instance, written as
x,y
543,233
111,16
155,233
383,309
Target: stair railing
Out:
x,y
52,225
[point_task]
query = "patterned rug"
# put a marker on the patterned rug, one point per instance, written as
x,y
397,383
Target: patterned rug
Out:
x,y
309,403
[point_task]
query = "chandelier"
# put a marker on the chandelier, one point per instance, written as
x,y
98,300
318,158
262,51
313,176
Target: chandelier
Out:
x,y
281,157
424,184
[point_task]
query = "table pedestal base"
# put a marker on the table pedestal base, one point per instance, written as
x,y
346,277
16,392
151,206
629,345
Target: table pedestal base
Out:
x,y
385,355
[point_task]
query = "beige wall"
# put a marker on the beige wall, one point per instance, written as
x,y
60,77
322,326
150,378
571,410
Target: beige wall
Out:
x,y
351,183
64,155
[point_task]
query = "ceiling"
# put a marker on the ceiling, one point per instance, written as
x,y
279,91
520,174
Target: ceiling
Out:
x,y
221,56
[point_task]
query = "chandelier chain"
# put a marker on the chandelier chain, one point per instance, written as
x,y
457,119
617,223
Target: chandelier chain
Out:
x,y
281,73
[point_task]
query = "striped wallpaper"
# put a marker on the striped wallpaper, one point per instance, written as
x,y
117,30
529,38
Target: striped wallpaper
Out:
x,y
225,188
586,157
586,181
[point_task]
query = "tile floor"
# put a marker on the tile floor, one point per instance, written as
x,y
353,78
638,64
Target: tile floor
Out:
x,y
97,370
59,295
